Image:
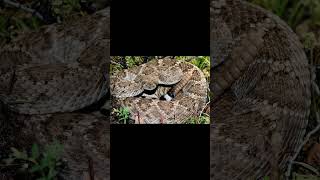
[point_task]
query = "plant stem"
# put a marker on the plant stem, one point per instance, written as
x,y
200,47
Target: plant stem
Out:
x,y
20,6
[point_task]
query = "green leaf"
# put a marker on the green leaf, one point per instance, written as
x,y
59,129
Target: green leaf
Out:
x,y
9,161
123,114
35,151
52,173
295,14
57,2
15,152
25,166
55,150
304,177
18,154
44,162
57,10
34,23
21,24
36,168
282,8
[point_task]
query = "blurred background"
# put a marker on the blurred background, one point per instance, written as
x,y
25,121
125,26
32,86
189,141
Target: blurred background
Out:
x,y
26,15
303,16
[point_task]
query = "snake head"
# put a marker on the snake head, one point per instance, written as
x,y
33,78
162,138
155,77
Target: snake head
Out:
x,y
149,86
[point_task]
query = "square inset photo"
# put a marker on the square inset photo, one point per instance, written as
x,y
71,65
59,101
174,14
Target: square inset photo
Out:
x,y
160,89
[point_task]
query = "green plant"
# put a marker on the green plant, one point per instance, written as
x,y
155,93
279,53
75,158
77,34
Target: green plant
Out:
x,y
4,32
133,60
10,26
130,61
296,14
297,176
123,114
202,62
42,163
315,12
203,119
293,11
63,8
277,6
309,40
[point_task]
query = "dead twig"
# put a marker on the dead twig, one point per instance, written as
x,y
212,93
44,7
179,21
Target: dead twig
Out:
x,y
113,62
314,93
24,8
307,166
292,159
204,108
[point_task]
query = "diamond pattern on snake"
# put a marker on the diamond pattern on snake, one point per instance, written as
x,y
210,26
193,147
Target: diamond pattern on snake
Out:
x,y
261,92
163,90
47,75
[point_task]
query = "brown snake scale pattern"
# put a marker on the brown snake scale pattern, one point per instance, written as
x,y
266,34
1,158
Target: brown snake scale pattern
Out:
x,y
261,91
260,85
47,75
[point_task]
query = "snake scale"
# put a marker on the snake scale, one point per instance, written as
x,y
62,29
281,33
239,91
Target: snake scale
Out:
x,y
260,84
47,76
261,92
189,89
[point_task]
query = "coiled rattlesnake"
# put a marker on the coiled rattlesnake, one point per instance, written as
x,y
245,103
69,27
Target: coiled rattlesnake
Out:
x,y
47,74
261,87
58,69
129,83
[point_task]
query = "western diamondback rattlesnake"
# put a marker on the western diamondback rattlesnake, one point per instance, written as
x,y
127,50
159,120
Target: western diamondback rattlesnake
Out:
x,y
58,69
190,89
261,86
47,74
